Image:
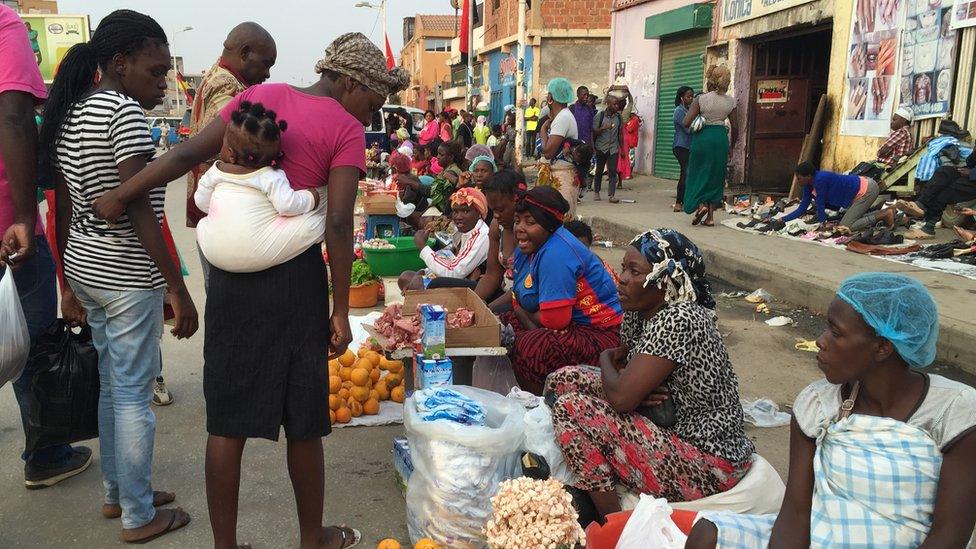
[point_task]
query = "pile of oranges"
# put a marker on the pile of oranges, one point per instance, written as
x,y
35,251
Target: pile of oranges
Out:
x,y
357,384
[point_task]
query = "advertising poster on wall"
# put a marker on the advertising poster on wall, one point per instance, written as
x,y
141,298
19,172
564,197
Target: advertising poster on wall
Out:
x,y
51,36
964,14
872,59
927,57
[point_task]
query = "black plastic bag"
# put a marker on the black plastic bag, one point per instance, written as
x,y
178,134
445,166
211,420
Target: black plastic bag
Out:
x,y
64,392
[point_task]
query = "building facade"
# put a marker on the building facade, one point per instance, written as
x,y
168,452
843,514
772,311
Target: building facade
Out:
x,y
428,41
33,6
657,46
564,38
785,56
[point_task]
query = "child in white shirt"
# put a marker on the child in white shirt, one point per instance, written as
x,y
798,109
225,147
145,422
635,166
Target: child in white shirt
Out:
x,y
255,220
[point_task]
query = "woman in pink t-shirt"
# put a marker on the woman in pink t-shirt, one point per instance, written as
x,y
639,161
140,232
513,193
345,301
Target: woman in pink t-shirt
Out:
x,y
268,333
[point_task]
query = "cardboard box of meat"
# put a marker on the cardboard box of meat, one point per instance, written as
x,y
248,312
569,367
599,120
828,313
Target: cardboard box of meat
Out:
x,y
485,331
379,203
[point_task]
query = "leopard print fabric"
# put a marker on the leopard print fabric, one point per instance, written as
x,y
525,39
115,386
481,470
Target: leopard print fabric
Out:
x,y
703,385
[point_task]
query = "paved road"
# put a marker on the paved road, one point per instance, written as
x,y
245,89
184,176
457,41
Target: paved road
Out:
x,y
360,490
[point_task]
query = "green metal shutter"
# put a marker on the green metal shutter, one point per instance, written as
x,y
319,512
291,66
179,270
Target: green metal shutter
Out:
x,y
682,64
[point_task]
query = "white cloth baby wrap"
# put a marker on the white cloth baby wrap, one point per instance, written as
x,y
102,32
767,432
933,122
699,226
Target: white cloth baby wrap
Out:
x,y
244,231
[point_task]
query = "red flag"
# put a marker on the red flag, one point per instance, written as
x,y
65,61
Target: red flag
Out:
x,y
184,87
390,62
465,32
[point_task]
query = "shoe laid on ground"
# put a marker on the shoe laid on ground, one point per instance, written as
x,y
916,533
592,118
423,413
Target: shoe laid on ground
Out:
x,y
161,395
910,208
44,476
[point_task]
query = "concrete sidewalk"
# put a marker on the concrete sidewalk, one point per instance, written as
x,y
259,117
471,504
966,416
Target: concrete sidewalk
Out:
x,y
803,274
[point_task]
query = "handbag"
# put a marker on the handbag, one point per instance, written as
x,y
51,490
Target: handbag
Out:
x,y
697,124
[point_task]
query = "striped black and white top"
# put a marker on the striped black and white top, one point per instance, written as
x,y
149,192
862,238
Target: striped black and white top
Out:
x,y
99,133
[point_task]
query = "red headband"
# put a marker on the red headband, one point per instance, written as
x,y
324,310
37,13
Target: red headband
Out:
x,y
548,209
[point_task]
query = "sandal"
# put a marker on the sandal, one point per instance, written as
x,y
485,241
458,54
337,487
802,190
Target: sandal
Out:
x,y
700,214
677,207
614,200
349,535
114,510
178,518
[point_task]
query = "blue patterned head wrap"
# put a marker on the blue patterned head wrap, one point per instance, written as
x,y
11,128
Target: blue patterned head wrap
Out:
x,y
677,267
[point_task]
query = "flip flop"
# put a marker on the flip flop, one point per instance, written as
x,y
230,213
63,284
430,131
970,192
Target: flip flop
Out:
x,y
700,214
114,511
355,536
172,526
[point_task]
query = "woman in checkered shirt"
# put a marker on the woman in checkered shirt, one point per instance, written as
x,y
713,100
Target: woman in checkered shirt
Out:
x,y
881,454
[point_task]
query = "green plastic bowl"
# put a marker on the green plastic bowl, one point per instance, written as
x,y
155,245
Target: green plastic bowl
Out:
x,y
392,262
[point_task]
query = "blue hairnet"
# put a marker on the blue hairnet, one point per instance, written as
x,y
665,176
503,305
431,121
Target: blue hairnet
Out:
x,y
561,90
899,309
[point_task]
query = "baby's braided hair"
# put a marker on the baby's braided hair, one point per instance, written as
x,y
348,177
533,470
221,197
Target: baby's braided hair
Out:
x,y
257,121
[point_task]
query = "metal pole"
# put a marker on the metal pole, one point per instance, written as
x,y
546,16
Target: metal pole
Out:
x,y
469,80
520,87
383,16
175,68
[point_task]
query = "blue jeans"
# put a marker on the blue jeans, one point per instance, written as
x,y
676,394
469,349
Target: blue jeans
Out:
x,y
36,283
126,327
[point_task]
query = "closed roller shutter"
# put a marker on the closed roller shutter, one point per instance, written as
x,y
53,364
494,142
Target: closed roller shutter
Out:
x,y
682,64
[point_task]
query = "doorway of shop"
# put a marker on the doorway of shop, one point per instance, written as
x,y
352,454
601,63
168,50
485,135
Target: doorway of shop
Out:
x,y
788,78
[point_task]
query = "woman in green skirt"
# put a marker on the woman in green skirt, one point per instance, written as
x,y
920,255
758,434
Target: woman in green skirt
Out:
x,y
707,165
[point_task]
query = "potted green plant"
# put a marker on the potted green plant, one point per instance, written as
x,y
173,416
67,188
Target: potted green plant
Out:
x,y
364,286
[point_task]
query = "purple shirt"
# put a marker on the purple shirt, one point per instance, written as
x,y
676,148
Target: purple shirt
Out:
x,y
18,72
584,120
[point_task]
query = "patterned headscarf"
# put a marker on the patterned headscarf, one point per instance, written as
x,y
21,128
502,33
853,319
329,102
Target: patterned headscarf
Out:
x,y
471,196
356,56
677,267
399,162
476,150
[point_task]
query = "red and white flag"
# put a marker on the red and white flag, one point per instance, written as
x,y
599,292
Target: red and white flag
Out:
x,y
390,62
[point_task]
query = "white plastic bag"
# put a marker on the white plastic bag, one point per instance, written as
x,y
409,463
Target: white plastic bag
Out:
x,y
650,527
457,468
14,337
540,439
493,373
763,412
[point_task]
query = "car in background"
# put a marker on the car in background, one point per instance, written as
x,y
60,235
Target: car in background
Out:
x,y
184,127
377,131
155,126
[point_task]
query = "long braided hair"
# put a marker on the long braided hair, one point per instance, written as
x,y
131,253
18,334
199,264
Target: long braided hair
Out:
x,y
122,31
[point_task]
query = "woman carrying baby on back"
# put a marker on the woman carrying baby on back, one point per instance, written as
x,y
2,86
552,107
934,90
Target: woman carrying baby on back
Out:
x,y
255,220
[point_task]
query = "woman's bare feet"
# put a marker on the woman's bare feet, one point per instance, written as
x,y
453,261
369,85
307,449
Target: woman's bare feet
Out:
x,y
888,216
114,510
678,207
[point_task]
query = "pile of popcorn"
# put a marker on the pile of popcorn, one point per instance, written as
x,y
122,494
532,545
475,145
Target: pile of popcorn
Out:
x,y
529,514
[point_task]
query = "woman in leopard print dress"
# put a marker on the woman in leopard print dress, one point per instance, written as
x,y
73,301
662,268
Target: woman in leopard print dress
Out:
x,y
671,350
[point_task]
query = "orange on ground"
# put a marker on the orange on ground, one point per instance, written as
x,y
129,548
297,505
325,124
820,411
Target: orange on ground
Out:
x,y
343,394
374,375
426,543
359,377
332,417
356,409
334,402
371,407
364,363
348,358
348,385
374,394
392,380
388,543
345,373
334,367
395,366
343,415
361,394
382,391
335,383
398,394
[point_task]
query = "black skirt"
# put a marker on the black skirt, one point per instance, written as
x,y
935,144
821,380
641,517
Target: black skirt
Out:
x,y
265,350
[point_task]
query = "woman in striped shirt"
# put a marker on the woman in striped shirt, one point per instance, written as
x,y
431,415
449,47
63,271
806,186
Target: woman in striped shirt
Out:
x,y
117,273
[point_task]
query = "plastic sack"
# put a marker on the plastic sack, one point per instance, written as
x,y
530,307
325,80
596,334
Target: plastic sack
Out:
x,y
493,373
64,393
14,336
457,468
650,525
764,413
243,232
540,438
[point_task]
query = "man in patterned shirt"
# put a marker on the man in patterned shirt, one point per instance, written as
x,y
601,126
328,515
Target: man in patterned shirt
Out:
x,y
249,53
900,141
